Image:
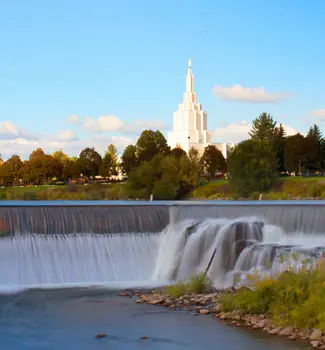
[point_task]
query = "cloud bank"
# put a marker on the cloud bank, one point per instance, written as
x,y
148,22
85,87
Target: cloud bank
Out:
x,y
239,131
112,123
246,94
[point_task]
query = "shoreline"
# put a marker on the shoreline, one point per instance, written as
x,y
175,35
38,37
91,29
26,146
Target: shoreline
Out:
x,y
207,304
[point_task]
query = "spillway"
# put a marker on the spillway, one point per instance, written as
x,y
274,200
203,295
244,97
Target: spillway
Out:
x,y
142,243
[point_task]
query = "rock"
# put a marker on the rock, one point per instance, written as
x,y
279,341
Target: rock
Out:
x,y
316,334
140,301
286,331
262,323
217,308
315,343
101,335
275,330
204,311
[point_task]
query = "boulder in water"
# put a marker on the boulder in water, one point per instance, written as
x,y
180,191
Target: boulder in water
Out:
x,y
101,335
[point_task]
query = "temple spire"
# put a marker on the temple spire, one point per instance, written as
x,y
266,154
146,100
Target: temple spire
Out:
x,y
189,78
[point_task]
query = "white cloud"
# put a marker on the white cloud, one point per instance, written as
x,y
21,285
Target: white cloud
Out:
x,y
142,124
67,135
73,119
239,131
103,123
318,115
8,130
110,123
246,94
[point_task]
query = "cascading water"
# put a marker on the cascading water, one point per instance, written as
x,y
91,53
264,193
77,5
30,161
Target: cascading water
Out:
x,y
125,245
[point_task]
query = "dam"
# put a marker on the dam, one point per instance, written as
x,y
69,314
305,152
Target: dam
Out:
x,y
57,244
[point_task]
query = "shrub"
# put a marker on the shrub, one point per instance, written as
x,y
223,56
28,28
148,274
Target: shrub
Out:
x,y
176,290
196,284
294,298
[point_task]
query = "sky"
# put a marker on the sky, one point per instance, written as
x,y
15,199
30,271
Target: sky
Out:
x,y
83,73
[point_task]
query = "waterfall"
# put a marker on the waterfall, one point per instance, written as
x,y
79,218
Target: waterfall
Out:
x,y
39,260
153,244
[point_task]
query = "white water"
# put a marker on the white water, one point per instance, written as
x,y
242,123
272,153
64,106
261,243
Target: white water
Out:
x,y
182,249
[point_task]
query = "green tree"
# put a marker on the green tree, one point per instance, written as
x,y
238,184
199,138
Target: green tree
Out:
x,y
108,166
151,143
314,144
278,142
165,177
296,153
177,152
129,159
112,151
89,162
212,161
263,127
252,167
70,169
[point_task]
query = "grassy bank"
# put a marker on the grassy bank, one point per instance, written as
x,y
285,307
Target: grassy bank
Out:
x,y
284,188
293,298
65,192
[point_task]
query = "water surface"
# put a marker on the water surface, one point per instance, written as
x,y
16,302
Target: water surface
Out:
x,y
69,319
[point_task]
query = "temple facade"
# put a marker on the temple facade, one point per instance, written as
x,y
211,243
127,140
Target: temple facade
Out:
x,y
190,123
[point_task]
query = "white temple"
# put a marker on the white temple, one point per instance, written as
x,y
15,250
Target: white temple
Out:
x,y
190,123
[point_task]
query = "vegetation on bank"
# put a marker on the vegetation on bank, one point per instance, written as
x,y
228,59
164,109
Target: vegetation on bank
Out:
x,y
287,188
283,188
292,298
196,284
65,192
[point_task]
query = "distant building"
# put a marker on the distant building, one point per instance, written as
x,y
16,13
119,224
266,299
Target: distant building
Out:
x,y
190,123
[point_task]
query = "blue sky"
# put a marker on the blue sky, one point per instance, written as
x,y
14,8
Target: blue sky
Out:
x,y
126,60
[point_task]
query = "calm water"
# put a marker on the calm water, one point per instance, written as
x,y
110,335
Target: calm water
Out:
x,y
70,319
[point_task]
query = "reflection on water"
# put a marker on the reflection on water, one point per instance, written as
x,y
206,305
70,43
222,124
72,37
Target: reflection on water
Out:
x,y
70,319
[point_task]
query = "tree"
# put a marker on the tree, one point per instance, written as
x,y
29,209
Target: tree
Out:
x,y
212,161
252,167
107,167
177,152
41,167
296,151
112,151
60,156
151,143
70,169
314,143
165,177
89,162
263,127
9,171
129,159
277,142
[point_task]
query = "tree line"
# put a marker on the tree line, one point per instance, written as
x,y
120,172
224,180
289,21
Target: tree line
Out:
x,y
151,167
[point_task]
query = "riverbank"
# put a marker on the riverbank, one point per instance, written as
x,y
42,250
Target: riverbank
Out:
x,y
284,188
209,304
94,191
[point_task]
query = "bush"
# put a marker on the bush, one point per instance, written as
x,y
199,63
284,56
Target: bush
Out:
x,y
195,284
293,298
176,290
